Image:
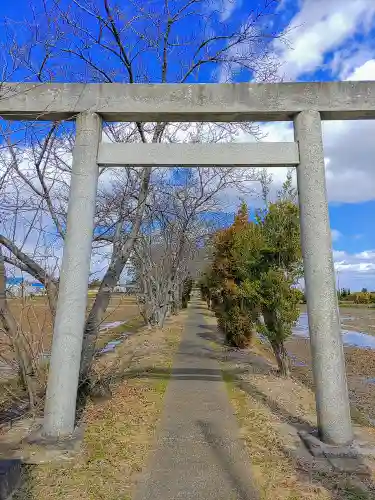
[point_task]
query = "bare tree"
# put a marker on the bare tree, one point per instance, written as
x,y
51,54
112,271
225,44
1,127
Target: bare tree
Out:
x,y
17,342
178,41
34,202
181,209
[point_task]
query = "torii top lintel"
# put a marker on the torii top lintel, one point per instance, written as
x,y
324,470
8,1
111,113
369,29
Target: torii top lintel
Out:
x,y
188,102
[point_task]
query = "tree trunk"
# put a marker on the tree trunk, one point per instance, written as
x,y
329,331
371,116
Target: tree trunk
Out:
x,y
97,313
161,316
27,264
254,315
120,256
281,355
21,351
176,298
52,293
282,358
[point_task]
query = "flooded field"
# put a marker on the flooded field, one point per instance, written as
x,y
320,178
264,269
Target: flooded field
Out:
x,y
33,319
358,318
350,337
358,334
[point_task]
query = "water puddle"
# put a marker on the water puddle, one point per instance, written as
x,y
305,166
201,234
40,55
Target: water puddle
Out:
x,y
350,338
109,326
370,380
295,361
115,342
111,346
107,348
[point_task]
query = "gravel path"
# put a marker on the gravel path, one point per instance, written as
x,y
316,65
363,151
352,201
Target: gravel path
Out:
x,y
198,454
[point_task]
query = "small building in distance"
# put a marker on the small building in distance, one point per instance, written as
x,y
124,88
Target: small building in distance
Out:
x,y
126,288
19,287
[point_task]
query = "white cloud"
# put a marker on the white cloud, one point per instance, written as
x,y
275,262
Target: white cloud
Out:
x,y
367,255
353,55
364,72
224,8
336,235
339,254
349,149
355,271
362,262
228,8
320,28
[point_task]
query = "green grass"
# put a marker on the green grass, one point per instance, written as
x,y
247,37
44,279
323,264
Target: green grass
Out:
x,y
160,385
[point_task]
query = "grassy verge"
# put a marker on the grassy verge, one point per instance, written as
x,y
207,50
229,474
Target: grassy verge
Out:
x,y
277,472
118,431
359,363
358,306
270,410
11,393
273,471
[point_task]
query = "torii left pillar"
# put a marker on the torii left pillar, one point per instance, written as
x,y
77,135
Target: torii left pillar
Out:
x,y
60,406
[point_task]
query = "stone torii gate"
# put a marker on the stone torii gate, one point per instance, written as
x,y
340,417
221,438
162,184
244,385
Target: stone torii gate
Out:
x,y
306,104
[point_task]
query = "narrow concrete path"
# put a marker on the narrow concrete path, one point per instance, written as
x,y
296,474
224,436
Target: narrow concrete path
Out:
x,y
198,454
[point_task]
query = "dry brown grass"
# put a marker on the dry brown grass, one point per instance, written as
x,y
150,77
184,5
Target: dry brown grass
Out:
x,y
273,471
279,468
34,319
360,366
270,411
119,431
34,322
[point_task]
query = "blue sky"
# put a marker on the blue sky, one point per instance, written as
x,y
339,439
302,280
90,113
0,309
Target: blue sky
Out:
x,y
335,40
327,40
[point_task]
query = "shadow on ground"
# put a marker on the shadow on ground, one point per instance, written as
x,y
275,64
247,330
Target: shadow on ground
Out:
x,y
343,485
284,415
12,475
211,333
201,307
175,374
244,489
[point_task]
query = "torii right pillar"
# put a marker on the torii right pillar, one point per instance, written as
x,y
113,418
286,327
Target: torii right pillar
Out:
x,y
331,390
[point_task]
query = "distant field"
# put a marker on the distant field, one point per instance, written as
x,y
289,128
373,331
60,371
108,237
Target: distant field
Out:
x,y
34,319
356,317
360,363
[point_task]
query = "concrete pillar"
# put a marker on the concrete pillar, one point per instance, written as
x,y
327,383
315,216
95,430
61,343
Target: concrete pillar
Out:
x,y
331,392
60,407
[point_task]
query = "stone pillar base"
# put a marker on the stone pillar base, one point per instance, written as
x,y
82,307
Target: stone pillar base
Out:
x,y
26,443
349,458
